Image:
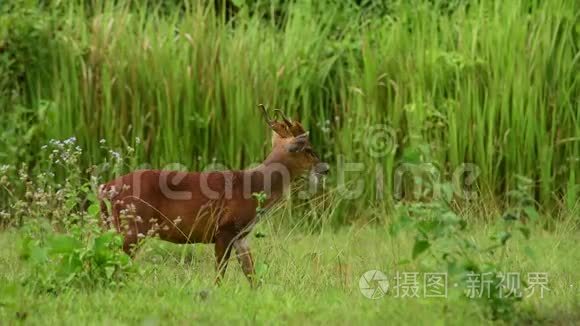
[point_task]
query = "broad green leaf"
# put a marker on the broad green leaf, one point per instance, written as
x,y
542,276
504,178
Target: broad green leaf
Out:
x,y
403,262
104,242
427,226
109,270
531,213
419,247
92,197
63,244
525,232
94,210
261,268
38,255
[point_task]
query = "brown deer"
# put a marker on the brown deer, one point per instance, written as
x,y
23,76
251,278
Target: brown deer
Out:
x,y
209,207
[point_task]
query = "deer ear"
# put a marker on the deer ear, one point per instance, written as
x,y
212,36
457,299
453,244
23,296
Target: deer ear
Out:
x,y
297,145
294,147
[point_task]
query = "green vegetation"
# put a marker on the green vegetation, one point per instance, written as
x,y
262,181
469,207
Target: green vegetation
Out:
x,y
452,129
493,83
307,278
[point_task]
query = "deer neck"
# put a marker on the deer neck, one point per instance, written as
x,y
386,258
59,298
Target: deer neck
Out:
x,y
273,176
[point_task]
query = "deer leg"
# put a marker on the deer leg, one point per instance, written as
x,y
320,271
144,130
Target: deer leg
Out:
x,y
245,258
129,244
223,249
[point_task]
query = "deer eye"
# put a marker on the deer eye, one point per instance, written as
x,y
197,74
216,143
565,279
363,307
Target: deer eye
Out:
x,y
310,152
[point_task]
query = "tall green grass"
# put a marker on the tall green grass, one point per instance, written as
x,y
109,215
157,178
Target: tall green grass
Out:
x,y
492,83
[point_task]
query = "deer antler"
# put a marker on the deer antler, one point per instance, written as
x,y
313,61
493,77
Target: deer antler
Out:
x,y
294,127
265,112
284,118
278,127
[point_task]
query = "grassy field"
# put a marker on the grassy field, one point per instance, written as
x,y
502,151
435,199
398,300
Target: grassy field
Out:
x,y
452,129
307,278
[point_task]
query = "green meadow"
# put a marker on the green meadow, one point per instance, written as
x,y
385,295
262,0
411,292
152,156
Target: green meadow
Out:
x,y
452,129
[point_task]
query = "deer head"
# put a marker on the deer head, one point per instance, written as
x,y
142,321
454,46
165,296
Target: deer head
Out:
x,y
291,145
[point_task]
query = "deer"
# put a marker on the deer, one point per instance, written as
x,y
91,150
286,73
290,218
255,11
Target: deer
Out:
x,y
212,207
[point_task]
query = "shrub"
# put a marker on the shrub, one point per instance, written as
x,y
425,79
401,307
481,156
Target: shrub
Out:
x,y
442,242
82,258
64,242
